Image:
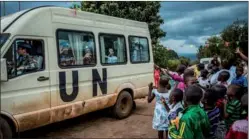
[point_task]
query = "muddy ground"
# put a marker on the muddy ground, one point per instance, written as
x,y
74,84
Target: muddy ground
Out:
x,y
101,125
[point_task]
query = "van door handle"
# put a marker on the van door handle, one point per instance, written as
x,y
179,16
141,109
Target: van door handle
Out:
x,y
42,78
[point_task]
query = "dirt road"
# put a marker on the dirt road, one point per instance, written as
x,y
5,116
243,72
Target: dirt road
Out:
x,y
100,125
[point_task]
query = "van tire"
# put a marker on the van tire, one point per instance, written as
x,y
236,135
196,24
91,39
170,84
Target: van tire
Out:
x,y
5,129
134,105
123,106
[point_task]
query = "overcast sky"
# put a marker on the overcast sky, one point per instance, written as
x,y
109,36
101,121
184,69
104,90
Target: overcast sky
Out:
x,y
191,23
186,23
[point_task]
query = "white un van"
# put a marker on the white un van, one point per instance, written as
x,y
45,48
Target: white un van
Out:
x,y
57,65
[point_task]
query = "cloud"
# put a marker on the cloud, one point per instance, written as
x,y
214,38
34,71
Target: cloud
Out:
x,y
212,13
192,23
188,46
180,46
196,22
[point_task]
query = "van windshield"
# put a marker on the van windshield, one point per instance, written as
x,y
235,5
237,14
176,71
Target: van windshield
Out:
x,y
3,38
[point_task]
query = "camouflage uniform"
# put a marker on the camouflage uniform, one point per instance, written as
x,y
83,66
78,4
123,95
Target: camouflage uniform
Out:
x,y
27,62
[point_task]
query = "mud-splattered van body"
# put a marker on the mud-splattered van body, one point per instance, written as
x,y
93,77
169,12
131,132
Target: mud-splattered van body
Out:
x,y
54,92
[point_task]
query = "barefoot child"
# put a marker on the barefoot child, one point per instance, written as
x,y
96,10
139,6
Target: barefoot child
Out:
x,y
194,122
160,119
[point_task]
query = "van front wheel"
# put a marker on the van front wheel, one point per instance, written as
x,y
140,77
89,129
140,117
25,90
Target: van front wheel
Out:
x,y
123,106
5,130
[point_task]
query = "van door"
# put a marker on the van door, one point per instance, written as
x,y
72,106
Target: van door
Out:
x,y
28,87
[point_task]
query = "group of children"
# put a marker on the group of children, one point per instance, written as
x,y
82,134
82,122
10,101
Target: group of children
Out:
x,y
195,108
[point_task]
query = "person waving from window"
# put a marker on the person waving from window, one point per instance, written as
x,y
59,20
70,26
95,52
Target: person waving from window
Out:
x,y
111,58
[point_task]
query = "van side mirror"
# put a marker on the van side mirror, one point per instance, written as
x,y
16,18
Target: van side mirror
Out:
x,y
4,74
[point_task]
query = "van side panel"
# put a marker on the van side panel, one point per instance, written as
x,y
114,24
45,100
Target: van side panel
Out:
x,y
71,92
24,93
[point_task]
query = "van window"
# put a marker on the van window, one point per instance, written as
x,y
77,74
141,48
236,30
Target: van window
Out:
x,y
139,49
76,48
112,49
25,56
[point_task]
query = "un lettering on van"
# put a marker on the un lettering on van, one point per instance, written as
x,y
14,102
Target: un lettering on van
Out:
x,y
96,79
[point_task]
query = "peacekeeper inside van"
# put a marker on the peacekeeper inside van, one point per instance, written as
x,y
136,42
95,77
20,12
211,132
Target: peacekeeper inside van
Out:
x,y
25,62
88,56
111,58
66,55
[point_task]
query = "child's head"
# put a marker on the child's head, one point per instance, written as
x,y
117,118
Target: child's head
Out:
x,y
223,76
111,52
225,64
220,90
210,98
204,73
180,69
201,66
234,92
189,80
188,72
164,82
244,105
192,95
215,69
210,67
175,96
156,67
239,71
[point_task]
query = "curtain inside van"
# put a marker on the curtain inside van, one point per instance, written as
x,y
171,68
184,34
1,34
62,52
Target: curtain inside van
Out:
x,y
120,49
102,45
75,40
145,49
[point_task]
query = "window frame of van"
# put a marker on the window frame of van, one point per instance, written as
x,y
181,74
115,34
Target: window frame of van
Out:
x,y
6,35
58,49
125,49
139,42
43,54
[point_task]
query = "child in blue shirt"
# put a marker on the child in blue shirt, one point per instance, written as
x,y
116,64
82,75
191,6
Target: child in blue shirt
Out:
x,y
240,80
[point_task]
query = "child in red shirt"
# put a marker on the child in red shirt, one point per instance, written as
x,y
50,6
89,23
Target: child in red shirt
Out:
x,y
156,75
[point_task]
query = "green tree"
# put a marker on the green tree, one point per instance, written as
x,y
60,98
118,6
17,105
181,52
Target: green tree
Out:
x,y
144,11
185,61
173,63
75,6
162,56
236,32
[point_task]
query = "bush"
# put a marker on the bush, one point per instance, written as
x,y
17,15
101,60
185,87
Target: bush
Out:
x,y
185,61
162,55
172,64
195,62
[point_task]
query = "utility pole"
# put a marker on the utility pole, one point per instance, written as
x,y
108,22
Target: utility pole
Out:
x,y
19,5
4,8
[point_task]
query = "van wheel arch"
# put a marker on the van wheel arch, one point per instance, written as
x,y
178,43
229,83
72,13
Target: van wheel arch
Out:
x,y
132,95
128,90
124,104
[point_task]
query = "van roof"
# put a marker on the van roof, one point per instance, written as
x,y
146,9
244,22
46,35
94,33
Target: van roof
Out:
x,y
46,15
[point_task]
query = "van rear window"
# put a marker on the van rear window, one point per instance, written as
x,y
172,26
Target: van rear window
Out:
x,y
139,49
